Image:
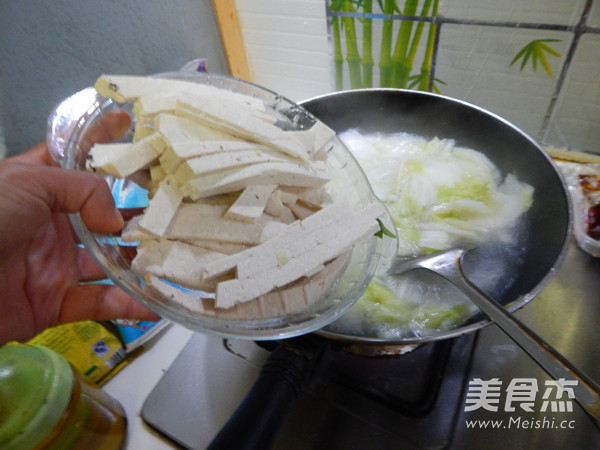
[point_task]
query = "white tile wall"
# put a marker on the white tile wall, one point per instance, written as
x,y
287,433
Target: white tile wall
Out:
x,y
474,62
286,44
554,11
288,51
576,123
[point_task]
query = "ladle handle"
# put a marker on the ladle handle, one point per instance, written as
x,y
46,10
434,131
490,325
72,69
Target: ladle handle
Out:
x,y
586,391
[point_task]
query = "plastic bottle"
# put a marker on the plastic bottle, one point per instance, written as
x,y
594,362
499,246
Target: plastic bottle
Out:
x,y
46,404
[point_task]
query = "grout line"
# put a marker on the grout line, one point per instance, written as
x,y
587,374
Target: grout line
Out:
x,y
578,31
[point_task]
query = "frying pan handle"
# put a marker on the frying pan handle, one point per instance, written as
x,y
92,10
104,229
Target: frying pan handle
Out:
x,y
257,420
586,390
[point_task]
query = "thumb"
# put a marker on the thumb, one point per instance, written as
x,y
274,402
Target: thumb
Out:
x,y
71,191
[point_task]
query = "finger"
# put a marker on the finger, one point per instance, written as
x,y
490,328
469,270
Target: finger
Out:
x,y
113,125
70,191
89,270
102,302
38,154
129,213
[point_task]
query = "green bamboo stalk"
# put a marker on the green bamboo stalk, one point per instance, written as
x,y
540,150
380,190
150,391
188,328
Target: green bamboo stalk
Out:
x,y
428,57
367,53
414,45
352,55
385,61
400,68
338,57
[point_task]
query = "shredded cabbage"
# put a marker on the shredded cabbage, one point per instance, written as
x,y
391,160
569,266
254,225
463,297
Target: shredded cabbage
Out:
x,y
439,196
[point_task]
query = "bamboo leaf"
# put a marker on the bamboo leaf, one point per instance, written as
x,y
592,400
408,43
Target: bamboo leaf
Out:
x,y
525,59
518,55
549,50
537,51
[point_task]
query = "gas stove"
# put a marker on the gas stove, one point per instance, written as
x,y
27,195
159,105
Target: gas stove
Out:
x,y
415,401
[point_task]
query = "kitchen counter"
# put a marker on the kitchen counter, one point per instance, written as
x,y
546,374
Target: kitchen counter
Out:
x,y
132,385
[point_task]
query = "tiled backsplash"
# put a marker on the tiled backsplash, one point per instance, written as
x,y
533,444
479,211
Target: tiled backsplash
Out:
x,y
289,50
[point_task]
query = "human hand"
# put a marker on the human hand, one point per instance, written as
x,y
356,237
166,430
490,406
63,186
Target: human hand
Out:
x,y
41,266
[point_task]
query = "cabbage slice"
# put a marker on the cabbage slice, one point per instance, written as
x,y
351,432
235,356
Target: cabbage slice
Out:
x,y
439,196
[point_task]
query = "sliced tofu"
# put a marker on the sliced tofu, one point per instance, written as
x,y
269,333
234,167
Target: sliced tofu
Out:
x,y
226,187
322,135
267,173
202,166
282,240
264,271
142,130
316,196
162,207
272,227
122,160
157,174
176,261
231,120
192,301
289,299
251,203
193,223
315,137
148,106
132,232
128,88
180,151
226,248
301,211
278,206
175,129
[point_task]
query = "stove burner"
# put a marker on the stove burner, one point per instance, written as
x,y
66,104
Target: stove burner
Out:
x,y
415,397
408,384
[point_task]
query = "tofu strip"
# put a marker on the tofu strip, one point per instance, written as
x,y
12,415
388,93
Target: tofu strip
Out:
x,y
291,234
251,203
269,266
232,120
175,261
122,160
175,128
287,300
192,223
239,206
180,151
286,174
221,162
162,208
128,88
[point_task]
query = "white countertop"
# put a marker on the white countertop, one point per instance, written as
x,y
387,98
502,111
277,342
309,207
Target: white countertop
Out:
x,y
222,373
132,385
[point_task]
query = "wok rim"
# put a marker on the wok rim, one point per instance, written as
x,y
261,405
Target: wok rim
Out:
x,y
512,306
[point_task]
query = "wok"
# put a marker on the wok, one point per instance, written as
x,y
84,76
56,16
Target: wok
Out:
x,y
428,115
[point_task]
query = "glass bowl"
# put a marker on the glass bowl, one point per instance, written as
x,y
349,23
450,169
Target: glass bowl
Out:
x,y
68,141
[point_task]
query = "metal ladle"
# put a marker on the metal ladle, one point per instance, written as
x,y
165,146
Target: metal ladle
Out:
x,y
448,264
